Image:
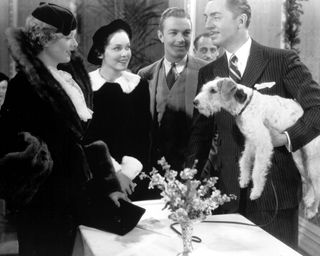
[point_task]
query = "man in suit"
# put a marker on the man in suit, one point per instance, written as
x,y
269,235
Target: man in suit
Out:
x,y
228,21
173,86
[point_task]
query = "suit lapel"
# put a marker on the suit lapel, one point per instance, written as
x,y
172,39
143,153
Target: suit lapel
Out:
x,y
221,68
191,84
257,62
153,84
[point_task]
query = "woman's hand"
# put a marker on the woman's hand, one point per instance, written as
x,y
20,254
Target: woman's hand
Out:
x,y
116,196
127,186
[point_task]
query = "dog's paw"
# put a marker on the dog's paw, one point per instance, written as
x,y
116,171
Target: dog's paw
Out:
x,y
254,194
243,182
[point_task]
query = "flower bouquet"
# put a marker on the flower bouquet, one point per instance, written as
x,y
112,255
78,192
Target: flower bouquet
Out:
x,y
187,199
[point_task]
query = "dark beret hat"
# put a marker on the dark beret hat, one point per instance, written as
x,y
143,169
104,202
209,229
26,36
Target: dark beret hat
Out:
x,y
56,16
100,37
3,77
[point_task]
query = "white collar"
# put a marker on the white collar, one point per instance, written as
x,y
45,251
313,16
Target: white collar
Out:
x,y
74,92
242,54
127,81
179,65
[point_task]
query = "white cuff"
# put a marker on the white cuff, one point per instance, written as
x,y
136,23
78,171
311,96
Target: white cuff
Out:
x,y
130,166
288,146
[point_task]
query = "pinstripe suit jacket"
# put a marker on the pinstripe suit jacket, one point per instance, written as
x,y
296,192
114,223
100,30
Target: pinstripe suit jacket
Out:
x,y
293,80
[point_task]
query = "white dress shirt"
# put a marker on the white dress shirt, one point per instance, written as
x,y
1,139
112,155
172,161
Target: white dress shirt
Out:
x,y
179,65
242,54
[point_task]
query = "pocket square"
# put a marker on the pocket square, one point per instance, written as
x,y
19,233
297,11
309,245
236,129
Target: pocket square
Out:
x,y
264,85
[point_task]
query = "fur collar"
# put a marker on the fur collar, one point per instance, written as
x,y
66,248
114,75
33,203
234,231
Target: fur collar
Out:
x,y
44,83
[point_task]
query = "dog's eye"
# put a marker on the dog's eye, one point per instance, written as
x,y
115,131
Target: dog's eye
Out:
x,y
212,90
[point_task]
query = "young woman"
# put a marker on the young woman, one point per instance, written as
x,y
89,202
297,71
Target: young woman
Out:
x,y
48,109
121,102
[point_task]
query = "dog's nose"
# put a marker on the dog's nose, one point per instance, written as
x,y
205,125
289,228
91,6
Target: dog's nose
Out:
x,y
195,102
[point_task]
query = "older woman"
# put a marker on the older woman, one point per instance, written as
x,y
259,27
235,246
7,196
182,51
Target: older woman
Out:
x,y
121,104
48,108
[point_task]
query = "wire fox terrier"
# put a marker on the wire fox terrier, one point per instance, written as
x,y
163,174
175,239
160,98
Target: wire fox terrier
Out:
x,y
252,110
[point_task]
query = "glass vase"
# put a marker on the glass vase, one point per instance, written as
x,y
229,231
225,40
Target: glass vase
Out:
x,y
186,236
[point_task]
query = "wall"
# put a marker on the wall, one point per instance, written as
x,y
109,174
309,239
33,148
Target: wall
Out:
x,y
310,37
4,23
265,26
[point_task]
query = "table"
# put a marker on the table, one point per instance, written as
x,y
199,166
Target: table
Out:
x,y
153,236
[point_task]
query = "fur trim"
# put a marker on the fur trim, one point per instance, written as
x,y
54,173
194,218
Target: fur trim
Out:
x,y
100,162
44,83
23,171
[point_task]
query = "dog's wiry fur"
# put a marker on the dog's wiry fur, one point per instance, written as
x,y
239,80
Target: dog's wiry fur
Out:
x,y
252,111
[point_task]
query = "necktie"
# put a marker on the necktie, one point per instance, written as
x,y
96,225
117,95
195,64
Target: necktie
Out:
x,y
234,72
171,76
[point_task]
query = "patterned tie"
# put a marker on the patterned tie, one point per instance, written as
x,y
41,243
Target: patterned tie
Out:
x,y
234,72
171,76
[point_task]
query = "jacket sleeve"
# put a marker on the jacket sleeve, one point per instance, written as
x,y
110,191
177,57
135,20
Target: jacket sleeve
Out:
x,y
299,83
23,170
201,135
100,163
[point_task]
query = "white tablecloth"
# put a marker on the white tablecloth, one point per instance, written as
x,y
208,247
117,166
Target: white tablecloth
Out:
x,y
153,236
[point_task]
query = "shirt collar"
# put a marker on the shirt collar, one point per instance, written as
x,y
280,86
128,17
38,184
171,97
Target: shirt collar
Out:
x,y
179,65
242,54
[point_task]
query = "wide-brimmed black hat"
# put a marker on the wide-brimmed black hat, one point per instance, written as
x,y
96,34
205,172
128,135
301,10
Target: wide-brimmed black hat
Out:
x,y
56,16
100,38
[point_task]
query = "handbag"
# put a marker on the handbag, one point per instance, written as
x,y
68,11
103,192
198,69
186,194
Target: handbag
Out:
x,y
102,213
94,208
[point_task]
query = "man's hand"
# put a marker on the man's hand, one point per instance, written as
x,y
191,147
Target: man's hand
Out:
x,y
278,138
116,196
127,186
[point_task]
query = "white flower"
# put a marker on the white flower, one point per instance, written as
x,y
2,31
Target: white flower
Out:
x,y
186,199
188,174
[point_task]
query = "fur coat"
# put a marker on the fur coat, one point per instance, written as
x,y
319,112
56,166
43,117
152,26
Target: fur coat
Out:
x,y
36,103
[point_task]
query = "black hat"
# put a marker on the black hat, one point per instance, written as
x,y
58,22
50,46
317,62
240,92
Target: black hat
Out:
x,y
3,77
56,16
100,37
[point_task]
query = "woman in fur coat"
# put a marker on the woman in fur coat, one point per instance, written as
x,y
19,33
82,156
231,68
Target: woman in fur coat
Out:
x,y
42,124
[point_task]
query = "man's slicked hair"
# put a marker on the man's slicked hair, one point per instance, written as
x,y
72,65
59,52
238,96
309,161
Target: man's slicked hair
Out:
x,y
238,7
173,12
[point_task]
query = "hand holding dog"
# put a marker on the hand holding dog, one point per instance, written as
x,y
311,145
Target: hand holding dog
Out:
x,y
278,138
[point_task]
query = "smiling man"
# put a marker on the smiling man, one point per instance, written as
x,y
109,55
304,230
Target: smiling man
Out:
x,y
250,63
173,85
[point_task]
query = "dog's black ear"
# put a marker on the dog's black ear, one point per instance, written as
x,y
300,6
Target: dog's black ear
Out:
x,y
240,96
